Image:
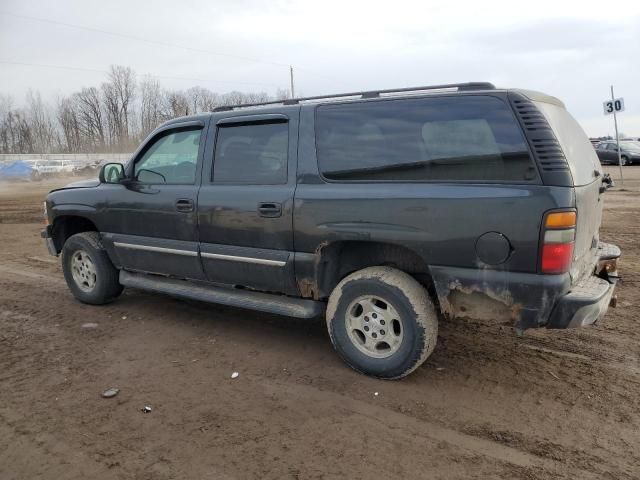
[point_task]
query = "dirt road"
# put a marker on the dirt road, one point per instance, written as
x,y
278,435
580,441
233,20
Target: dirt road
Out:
x,y
487,404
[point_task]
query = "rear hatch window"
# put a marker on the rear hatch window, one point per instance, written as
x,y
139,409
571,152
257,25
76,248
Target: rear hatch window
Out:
x,y
580,154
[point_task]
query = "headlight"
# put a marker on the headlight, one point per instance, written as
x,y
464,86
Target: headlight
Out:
x,y
45,213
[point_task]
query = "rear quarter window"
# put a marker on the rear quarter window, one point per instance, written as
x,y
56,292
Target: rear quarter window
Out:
x,y
464,138
577,148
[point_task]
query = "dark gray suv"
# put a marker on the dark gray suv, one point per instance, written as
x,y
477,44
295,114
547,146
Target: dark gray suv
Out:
x,y
387,211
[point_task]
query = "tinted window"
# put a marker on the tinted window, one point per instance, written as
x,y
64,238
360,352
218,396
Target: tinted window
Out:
x,y
251,154
471,138
172,158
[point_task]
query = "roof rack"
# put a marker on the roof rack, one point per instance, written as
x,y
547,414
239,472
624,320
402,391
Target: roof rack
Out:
x,y
367,94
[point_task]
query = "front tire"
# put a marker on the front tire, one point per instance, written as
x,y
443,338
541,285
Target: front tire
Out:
x,y
89,273
382,322
624,161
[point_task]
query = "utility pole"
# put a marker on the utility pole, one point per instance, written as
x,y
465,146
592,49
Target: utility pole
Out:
x,y
293,95
615,122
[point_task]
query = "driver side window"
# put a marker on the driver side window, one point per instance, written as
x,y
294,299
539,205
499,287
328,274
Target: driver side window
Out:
x,y
171,159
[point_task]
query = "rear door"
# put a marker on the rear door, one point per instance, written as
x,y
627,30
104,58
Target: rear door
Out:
x,y
245,203
587,178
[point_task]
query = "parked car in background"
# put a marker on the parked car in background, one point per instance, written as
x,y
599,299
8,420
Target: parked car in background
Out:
x,y
49,168
629,152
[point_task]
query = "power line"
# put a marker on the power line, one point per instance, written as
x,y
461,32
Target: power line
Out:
x,y
84,69
141,39
159,42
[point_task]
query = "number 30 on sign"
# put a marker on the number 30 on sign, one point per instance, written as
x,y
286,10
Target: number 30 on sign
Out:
x,y
611,106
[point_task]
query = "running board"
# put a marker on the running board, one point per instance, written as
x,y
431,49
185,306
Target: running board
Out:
x,y
264,302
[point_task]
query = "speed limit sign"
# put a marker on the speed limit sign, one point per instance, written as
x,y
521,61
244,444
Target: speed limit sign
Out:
x,y
614,105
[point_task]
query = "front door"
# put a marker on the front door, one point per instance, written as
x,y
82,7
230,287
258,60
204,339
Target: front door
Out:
x,y
245,203
150,218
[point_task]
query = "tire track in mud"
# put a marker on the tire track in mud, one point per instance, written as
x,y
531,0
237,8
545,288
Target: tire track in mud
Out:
x,y
23,275
506,447
482,345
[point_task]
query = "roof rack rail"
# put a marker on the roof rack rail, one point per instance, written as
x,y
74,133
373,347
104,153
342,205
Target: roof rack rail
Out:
x,y
366,94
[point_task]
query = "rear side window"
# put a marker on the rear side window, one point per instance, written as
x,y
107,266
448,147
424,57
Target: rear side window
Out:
x,y
580,155
466,138
251,154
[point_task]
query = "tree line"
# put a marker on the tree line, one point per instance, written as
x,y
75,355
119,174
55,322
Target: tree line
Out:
x,y
113,117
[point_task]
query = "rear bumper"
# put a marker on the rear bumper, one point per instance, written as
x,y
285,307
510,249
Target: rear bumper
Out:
x,y
530,300
51,246
584,305
588,300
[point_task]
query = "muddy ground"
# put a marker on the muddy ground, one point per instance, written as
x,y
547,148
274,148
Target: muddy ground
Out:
x,y
487,404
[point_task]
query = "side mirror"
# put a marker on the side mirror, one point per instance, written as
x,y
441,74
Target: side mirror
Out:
x,y
111,173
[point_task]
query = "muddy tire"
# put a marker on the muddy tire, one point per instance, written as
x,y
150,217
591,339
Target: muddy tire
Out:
x,y
89,273
382,322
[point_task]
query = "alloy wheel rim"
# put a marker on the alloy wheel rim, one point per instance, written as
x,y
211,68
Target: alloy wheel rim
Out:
x,y
374,326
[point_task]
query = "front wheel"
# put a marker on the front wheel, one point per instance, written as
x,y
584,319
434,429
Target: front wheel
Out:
x,y
624,161
382,322
89,273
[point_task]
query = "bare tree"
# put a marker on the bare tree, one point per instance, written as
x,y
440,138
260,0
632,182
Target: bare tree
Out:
x,y
67,117
118,94
257,97
6,105
88,106
44,133
151,108
20,133
176,104
208,100
111,117
238,98
16,133
202,99
283,94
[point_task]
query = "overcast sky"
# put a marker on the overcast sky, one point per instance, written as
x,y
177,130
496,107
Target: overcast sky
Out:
x,y
573,50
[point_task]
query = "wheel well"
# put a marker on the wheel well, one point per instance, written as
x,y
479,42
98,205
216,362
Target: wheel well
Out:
x,y
339,259
68,225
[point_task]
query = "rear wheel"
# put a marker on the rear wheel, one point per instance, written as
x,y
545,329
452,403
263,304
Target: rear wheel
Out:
x,y
89,273
382,322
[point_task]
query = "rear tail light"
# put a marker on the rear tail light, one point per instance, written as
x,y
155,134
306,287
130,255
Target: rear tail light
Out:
x,y
558,237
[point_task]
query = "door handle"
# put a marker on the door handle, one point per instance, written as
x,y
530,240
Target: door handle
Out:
x,y
184,205
270,209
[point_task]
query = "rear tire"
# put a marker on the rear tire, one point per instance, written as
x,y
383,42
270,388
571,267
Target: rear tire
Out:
x,y
89,273
382,322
